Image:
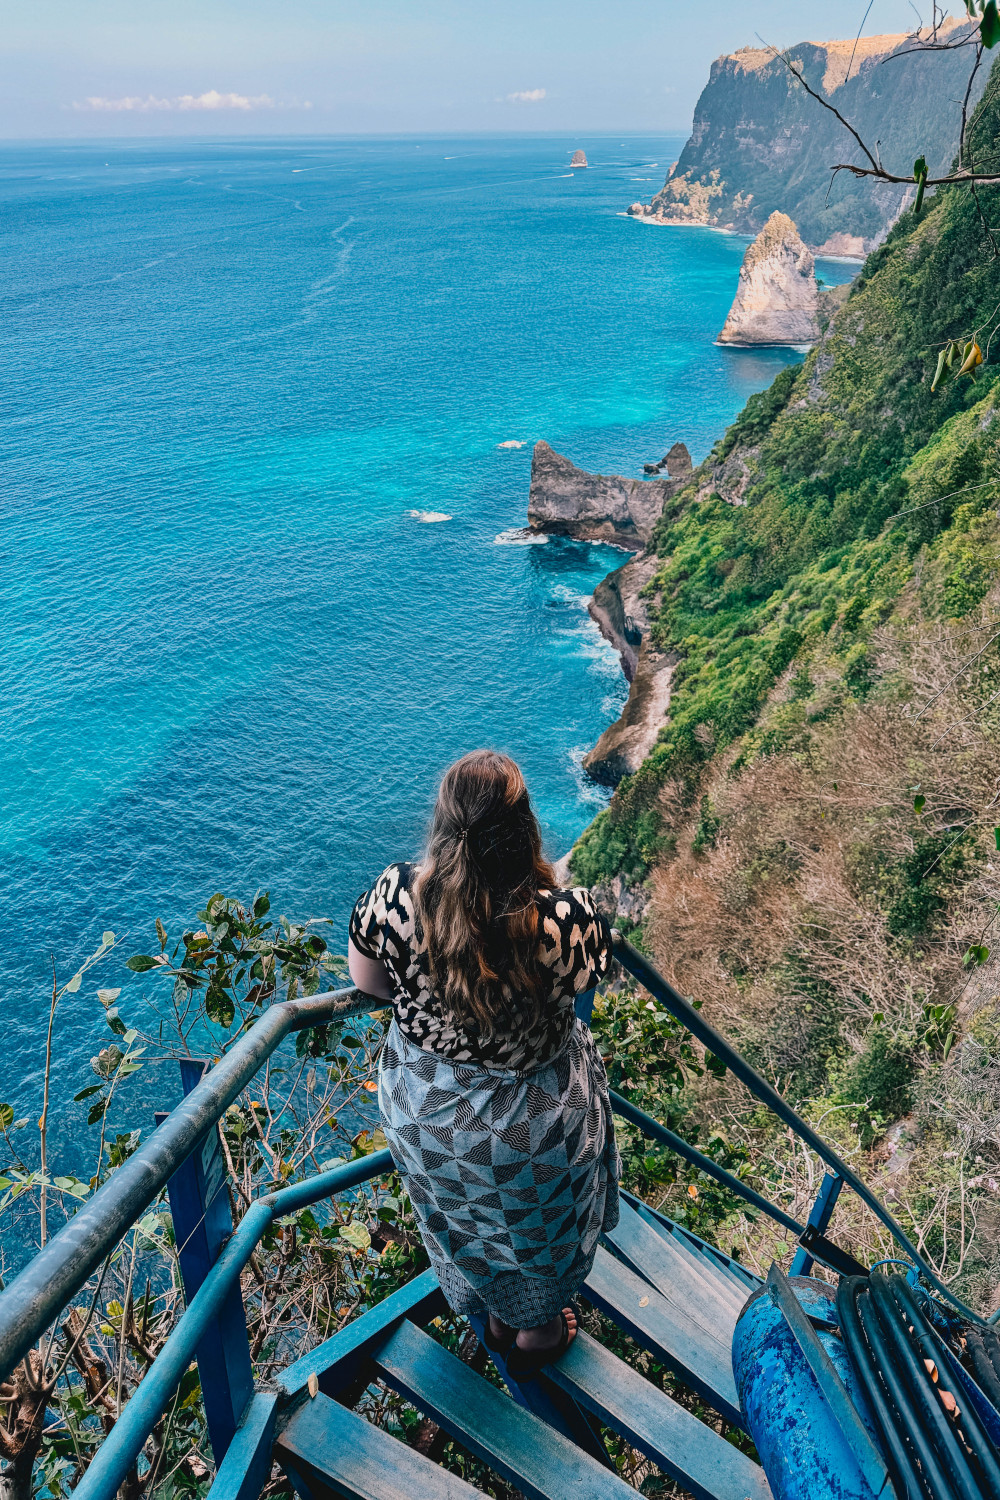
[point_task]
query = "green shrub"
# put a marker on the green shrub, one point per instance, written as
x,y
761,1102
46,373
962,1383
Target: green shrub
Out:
x,y
921,882
882,1080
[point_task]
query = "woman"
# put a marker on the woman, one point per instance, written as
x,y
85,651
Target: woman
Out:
x,y
494,1098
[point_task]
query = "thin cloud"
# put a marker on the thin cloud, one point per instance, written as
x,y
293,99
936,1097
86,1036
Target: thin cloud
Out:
x,y
526,96
150,104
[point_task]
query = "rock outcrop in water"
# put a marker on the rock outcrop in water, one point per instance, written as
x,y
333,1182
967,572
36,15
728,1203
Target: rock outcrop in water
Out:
x,y
676,463
759,143
777,298
579,159
568,501
599,507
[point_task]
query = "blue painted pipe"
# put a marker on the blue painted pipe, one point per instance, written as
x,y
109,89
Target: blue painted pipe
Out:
x,y
124,1443
804,1452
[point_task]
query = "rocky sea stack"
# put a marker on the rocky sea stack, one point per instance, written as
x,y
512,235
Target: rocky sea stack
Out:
x,y
777,300
568,501
579,159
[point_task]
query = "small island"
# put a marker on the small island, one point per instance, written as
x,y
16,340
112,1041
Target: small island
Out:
x,y
777,297
579,159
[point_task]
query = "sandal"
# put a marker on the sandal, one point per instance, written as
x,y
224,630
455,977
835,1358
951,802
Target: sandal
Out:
x,y
496,1345
525,1364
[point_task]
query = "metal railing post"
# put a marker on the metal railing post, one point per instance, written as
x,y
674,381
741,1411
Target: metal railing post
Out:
x,y
43,1288
682,1010
819,1218
203,1222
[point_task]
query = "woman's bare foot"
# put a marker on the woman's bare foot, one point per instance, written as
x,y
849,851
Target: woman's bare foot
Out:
x,y
549,1334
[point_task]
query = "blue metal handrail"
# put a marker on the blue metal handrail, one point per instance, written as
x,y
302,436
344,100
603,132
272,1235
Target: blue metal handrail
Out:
x,y
682,1010
696,1158
40,1292
124,1443
45,1286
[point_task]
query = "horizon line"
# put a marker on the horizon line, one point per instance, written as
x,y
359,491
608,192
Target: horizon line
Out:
x,y
116,140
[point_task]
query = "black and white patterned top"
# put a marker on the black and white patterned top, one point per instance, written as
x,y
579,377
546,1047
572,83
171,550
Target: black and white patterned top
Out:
x,y
575,948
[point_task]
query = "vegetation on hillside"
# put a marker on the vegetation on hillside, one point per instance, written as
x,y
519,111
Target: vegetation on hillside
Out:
x,y
852,475
817,822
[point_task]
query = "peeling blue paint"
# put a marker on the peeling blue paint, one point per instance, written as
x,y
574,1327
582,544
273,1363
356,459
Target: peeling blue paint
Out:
x,y
804,1453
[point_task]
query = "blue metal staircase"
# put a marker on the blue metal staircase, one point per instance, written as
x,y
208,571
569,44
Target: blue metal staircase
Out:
x,y
666,1291
527,1437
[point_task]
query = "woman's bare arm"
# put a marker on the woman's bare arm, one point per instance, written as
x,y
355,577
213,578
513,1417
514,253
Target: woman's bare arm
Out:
x,y
369,974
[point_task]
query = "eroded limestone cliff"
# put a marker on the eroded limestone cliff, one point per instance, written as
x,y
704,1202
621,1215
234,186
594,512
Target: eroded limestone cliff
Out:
x,y
571,502
777,298
759,143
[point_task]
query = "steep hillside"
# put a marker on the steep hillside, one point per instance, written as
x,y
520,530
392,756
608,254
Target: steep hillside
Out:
x,y
759,143
816,829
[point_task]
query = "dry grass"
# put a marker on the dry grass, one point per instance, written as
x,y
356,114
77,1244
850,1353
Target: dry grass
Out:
x,y
784,927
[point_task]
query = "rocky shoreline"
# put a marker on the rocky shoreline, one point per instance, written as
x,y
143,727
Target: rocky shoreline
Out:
x,y
568,501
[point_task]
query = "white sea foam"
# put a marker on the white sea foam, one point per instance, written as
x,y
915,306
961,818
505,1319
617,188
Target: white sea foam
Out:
x,y
511,443
591,793
583,639
429,516
565,595
520,536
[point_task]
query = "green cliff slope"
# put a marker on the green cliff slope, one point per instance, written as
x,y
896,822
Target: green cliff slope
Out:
x,y
816,826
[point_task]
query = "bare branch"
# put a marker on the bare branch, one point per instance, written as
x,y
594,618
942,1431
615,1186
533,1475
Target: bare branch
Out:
x,y
876,168
950,180
965,103
857,39
797,73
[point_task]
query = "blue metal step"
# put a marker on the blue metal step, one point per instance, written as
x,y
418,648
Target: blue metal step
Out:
x,y
515,1443
664,1259
705,1298
339,1360
661,1325
328,1450
686,1449
741,1276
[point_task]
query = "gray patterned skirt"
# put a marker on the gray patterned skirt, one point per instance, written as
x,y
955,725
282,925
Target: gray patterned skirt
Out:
x,y
512,1176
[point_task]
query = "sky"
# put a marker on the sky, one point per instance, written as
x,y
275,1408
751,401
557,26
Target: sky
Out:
x,y
314,67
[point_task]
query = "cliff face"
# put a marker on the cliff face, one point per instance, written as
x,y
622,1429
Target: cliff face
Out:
x,y
777,298
593,507
759,143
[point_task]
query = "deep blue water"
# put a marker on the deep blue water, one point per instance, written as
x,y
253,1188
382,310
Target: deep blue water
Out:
x,y
235,376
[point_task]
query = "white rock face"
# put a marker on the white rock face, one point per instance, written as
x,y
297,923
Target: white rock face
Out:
x,y
777,299
847,246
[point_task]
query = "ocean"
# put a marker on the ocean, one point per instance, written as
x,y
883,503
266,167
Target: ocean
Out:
x,y
262,576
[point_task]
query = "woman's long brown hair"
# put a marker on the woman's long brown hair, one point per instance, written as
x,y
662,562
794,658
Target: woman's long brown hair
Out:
x,y
476,890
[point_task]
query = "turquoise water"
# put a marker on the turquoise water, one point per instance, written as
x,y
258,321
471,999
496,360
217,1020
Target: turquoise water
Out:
x,y
238,377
